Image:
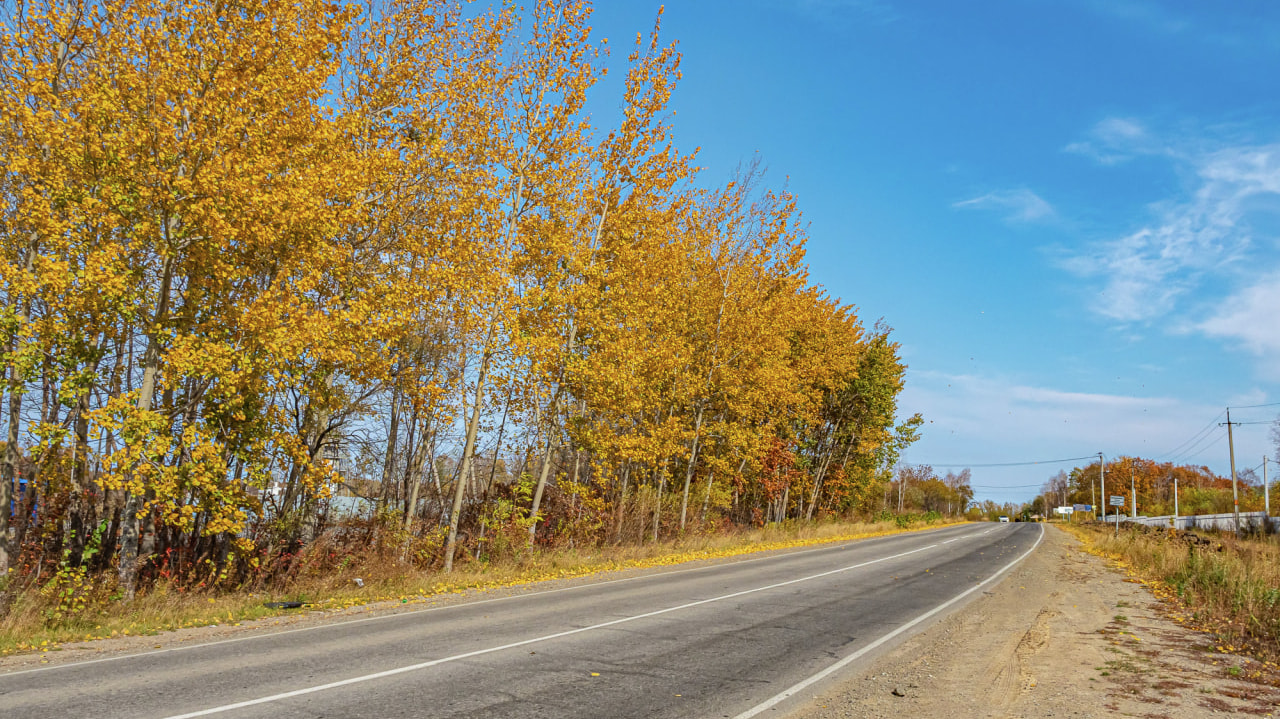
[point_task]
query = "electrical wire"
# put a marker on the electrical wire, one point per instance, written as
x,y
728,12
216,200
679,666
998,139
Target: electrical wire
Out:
x,y
1002,464
1255,406
1198,447
1195,437
1203,449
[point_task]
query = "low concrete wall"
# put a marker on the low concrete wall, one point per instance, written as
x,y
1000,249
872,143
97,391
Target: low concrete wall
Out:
x,y
1225,522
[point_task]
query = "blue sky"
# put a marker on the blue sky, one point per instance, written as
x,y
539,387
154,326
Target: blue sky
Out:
x,y
1069,211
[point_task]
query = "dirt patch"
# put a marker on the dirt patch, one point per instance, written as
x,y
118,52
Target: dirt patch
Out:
x,y
1061,635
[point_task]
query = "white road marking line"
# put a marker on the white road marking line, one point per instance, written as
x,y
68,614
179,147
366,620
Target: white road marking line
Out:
x,y
526,642
330,625
801,686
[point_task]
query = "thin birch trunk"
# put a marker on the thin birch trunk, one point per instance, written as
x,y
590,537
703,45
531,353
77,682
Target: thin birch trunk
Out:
x,y
657,507
622,501
412,507
688,473
129,534
468,449
17,387
822,472
544,472
388,463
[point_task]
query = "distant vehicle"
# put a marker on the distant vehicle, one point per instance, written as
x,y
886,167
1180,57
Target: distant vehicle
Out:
x,y
1004,518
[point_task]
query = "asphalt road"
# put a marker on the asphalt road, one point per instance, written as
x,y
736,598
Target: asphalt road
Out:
x,y
726,640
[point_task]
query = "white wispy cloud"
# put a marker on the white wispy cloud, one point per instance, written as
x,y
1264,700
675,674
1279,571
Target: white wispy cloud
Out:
x,y
1250,316
978,419
1115,140
1019,205
1041,416
1206,233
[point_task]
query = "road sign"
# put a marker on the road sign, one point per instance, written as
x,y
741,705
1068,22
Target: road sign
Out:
x,y
1117,500
1083,507
1063,510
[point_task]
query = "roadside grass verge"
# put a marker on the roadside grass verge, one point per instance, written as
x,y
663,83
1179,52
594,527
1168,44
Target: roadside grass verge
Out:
x,y
34,623
1215,583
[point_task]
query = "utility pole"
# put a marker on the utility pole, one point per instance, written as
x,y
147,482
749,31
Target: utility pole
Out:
x,y
1133,497
1235,492
1102,473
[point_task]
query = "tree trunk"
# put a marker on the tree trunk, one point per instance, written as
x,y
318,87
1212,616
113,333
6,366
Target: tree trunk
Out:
x,y
411,508
468,449
388,463
622,502
10,469
822,472
12,457
497,447
129,534
537,492
657,506
706,498
410,451
688,473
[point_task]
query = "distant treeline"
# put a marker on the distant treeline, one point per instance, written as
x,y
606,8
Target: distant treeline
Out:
x,y
1200,490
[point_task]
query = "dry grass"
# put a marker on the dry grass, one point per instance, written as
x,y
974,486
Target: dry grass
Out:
x,y
1216,582
34,624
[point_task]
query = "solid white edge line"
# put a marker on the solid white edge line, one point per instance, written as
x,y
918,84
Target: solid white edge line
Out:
x,y
801,686
525,642
330,625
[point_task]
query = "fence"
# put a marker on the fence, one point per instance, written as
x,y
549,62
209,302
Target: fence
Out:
x,y
1227,522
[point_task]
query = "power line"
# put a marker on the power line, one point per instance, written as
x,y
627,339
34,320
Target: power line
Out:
x,y
1255,406
1197,447
1214,443
1003,464
1197,436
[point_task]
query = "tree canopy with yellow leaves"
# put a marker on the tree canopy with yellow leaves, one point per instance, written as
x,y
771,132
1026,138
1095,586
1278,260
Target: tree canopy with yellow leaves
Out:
x,y
281,274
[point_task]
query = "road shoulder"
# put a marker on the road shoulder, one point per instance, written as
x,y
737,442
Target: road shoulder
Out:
x,y
1062,634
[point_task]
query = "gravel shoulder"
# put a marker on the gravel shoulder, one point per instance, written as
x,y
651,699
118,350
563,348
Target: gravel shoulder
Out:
x,y
1062,635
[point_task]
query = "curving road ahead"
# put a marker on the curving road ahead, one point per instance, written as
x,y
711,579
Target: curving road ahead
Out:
x,y
726,640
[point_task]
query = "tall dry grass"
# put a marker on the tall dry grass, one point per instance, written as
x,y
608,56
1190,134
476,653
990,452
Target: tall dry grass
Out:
x,y
1224,584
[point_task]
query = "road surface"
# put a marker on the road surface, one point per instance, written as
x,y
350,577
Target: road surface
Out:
x,y
727,640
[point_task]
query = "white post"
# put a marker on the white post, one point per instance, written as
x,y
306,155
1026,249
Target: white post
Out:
x,y
1175,502
1266,488
1235,493
1102,473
